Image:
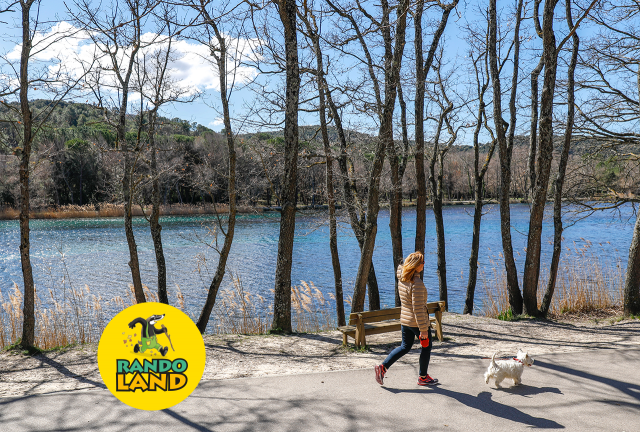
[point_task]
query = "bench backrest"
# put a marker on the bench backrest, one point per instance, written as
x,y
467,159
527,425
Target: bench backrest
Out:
x,y
390,314
375,316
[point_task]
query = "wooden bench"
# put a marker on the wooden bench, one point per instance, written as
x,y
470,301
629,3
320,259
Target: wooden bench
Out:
x,y
362,324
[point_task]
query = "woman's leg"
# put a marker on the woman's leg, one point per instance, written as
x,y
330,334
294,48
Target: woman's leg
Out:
x,y
425,356
408,337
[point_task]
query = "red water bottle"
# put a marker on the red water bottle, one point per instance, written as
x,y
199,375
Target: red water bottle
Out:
x,y
424,341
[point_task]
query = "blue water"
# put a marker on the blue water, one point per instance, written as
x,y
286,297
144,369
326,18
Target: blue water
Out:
x,y
94,252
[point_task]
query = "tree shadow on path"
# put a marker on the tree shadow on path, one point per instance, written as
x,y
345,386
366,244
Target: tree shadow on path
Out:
x,y
629,389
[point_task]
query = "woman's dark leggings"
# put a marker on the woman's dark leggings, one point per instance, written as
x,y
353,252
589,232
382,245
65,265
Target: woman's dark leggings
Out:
x,y
408,337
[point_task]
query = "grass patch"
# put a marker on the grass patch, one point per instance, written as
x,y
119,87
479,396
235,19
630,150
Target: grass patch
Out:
x,y
353,349
584,287
73,316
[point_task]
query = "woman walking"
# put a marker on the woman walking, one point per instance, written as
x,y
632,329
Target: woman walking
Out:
x,y
414,319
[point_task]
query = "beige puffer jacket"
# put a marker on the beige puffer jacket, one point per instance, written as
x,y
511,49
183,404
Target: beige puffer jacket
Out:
x,y
413,299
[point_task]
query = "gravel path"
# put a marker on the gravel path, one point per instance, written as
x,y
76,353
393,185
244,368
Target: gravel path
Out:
x,y
235,356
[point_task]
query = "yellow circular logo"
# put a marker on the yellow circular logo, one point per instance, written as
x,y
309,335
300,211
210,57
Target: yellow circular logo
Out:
x,y
151,356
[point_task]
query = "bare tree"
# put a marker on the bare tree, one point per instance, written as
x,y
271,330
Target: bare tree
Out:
x,y
220,43
287,11
444,119
393,51
479,172
610,111
562,167
422,71
505,147
19,75
312,32
117,34
544,154
157,87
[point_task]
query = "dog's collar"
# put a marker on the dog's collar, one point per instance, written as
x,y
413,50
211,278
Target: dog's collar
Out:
x,y
517,359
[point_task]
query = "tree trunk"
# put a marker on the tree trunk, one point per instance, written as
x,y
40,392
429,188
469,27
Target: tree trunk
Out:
x,y
533,131
393,62
442,260
422,71
352,203
282,299
435,179
632,280
562,169
331,202
28,310
479,174
221,60
395,203
473,259
545,155
156,228
515,298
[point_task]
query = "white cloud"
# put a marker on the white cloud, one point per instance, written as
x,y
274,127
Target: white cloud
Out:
x,y
70,52
216,122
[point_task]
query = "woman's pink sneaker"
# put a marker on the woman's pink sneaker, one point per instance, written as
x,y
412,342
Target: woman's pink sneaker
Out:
x,y
426,381
380,371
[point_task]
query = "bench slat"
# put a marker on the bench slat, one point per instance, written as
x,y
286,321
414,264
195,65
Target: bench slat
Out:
x,y
379,315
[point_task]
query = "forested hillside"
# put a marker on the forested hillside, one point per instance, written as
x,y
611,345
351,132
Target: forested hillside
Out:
x,y
76,162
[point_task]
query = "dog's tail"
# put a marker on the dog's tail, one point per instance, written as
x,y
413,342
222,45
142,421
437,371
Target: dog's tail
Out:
x,y
493,359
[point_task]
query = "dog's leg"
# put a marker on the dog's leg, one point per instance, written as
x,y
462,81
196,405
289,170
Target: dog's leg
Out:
x,y
499,379
487,375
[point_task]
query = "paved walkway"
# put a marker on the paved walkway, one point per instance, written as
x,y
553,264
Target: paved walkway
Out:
x,y
595,390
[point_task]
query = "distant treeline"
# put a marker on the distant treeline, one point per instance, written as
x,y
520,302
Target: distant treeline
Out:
x,y
76,162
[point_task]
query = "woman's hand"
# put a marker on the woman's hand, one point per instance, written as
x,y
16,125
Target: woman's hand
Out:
x,y
424,335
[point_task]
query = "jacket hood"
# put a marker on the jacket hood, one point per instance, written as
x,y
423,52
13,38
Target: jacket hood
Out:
x,y
399,271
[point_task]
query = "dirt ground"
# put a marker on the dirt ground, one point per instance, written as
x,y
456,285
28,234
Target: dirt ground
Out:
x,y
235,356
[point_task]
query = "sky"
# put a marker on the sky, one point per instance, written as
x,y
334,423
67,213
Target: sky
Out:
x,y
190,68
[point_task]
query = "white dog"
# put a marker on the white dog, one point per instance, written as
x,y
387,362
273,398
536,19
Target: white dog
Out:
x,y
501,369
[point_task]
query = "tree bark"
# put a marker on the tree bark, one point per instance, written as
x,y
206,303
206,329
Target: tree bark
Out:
x,y
545,155
479,174
422,71
505,151
154,221
282,299
393,60
351,201
435,180
533,132
632,280
562,169
331,202
398,165
28,310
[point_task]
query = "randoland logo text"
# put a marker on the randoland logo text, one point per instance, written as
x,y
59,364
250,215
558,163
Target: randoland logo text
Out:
x,y
151,375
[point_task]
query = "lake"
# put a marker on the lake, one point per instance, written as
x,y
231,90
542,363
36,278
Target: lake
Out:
x,y
94,252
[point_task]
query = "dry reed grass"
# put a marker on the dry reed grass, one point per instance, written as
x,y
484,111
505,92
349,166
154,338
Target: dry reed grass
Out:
x,y
75,316
584,285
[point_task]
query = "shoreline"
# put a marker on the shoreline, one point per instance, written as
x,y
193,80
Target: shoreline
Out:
x,y
117,210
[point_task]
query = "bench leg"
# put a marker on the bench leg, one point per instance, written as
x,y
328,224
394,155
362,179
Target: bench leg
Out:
x,y
344,339
439,326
